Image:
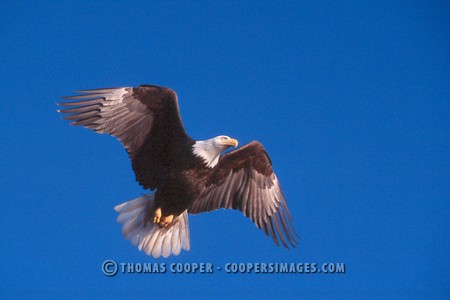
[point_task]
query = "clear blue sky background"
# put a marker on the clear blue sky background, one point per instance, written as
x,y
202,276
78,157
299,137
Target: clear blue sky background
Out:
x,y
351,100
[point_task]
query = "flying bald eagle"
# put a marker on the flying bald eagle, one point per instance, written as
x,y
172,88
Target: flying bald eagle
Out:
x,y
189,176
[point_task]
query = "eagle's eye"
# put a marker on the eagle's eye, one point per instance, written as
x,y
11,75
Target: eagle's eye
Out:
x,y
223,139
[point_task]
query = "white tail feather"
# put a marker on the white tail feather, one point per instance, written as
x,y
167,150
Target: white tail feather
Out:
x,y
149,237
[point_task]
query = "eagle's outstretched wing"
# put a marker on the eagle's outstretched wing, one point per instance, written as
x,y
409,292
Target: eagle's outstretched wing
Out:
x,y
244,180
146,120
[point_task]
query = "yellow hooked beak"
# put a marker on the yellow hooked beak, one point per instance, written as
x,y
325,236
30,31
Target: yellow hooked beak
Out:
x,y
232,142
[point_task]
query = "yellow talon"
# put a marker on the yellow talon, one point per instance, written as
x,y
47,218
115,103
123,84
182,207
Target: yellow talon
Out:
x,y
166,221
157,215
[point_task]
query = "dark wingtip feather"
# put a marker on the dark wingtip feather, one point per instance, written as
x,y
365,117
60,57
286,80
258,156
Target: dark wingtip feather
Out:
x,y
84,96
65,98
272,232
95,100
99,90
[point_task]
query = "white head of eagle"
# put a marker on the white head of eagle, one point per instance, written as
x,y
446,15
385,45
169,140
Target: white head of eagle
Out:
x,y
211,149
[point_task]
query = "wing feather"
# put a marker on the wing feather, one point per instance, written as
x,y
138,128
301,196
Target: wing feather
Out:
x,y
244,180
145,119
105,111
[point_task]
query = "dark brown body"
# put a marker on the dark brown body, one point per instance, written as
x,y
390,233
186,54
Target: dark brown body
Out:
x,y
181,189
166,163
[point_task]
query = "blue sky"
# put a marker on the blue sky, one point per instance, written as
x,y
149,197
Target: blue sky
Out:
x,y
351,101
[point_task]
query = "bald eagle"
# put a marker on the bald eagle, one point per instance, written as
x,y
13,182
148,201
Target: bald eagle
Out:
x,y
188,176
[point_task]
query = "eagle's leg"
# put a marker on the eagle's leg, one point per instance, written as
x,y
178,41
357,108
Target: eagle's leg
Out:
x,y
166,221
160,220
157,215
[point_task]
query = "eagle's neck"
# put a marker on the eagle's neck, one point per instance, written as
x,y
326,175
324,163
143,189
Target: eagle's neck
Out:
x,y
208,151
